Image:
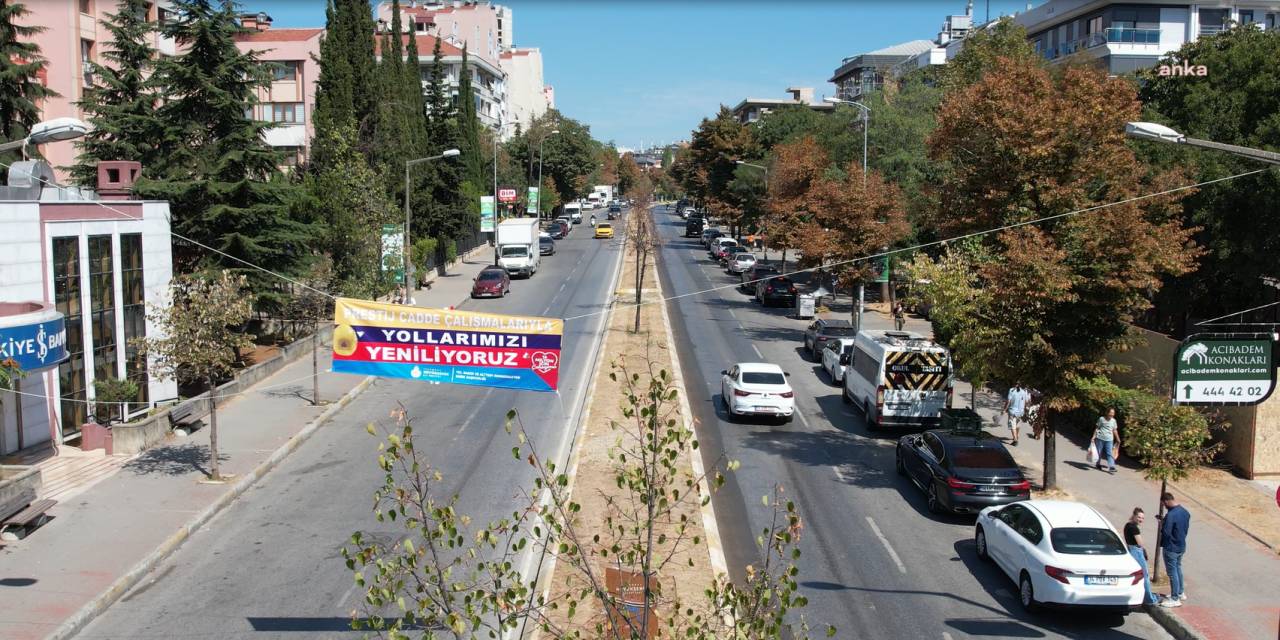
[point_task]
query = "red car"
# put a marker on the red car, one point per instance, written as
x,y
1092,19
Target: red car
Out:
x,y
493,282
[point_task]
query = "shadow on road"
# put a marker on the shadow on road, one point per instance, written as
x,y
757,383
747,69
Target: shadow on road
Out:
x,y
176,460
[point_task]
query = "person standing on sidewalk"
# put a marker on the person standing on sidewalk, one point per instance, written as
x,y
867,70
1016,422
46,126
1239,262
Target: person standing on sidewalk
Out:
x,y
1133,540
1106,437
899,316
1015,408
1174,525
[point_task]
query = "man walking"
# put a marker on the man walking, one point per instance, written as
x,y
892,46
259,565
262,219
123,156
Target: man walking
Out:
x,y
1015,408
1106,437
1133,540
1173,542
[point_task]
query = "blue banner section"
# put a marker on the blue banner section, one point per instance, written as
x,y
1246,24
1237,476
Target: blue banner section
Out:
x,y
392,335
505,378
35,346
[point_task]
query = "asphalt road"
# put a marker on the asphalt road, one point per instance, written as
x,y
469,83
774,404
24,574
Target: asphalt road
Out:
x,y
270,565
875,563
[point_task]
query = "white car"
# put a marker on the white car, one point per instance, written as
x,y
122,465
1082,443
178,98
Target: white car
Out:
x,y
741,263
835,357
1060,553
757,388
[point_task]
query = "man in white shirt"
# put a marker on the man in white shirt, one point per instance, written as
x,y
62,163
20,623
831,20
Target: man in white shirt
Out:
x,y
1015,407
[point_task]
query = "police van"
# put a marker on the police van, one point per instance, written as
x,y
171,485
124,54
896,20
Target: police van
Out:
x,y
898,378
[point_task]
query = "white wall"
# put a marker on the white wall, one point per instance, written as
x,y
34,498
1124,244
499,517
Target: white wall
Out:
x,y
1175,28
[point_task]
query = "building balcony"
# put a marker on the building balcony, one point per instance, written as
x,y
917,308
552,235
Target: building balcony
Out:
x,y
1211,30
1142,38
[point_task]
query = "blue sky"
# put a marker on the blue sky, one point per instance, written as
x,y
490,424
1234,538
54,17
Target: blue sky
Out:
x,y
648,71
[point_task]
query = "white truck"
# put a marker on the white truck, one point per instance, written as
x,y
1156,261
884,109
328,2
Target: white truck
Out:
x,y
603,193
573,210
518,246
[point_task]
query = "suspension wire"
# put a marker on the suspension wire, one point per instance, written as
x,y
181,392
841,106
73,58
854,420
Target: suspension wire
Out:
x,y
171,232
1239,313
943,241
220,395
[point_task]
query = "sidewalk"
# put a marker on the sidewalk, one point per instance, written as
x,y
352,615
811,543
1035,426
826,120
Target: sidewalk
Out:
x,y
1232,579
63,571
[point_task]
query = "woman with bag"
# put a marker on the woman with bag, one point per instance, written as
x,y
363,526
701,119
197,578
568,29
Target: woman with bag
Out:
x,y
1106,441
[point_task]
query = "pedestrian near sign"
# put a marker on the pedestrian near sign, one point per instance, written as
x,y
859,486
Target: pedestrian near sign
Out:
x,y
506,195
1224,369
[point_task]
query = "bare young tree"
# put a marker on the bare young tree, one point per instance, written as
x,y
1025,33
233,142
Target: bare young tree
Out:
x,y
641,239
200,337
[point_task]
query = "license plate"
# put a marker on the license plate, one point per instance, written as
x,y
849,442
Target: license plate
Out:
x,y
766,409
1110,581
989,488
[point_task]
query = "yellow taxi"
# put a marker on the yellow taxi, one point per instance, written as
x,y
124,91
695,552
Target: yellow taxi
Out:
x,y
604,230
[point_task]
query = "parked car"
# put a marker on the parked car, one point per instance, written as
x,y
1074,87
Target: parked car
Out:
x,y
823,329
708,235
779,291
491,282
718,244
755,274
741,262
567,222
757,388
961,471
546,246
898,379
559,230
727,254
1060,553
835,357
604,230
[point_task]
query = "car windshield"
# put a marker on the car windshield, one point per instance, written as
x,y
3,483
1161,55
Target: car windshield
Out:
x,y
490,275
763,377
839,331
514,252
603,226
745,257
982,458
1086,542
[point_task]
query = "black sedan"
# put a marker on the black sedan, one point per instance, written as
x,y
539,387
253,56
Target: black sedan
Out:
x,y
546,246
779,291
961,471
822,330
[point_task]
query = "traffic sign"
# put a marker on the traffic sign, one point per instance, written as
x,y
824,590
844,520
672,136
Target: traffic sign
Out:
x,y
1224,369
506,195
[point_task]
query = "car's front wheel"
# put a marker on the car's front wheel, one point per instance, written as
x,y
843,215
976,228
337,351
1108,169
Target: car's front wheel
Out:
x,y
1027,592
980,543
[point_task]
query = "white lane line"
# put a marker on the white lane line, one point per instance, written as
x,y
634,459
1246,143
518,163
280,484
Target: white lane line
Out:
x,y
757,350
802,418
563,285
946,636
839,474
544,311
732,314
892,554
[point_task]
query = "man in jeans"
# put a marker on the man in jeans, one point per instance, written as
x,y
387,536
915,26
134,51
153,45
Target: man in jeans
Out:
x,y
1133,540
1173,541
1015,408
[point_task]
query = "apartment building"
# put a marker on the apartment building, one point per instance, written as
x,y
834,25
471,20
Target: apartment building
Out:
x,y
1126,36
488,81
527,95
289,100
866,72
75,35
752,109
955,28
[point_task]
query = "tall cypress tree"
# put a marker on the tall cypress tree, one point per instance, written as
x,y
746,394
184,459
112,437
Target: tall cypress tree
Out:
x,y
20,66
219,175
469,127
391,128
359,45
416,123
444,211
335,88
121,104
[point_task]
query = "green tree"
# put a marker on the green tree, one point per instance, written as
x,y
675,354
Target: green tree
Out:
x,y
20,67
983,51
200,338
346,67
1237,103
1022,144
443,208
120,106
628,174
212,163
473,157
716,144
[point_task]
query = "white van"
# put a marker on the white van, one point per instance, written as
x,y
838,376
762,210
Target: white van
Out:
x,y
573,210
898,378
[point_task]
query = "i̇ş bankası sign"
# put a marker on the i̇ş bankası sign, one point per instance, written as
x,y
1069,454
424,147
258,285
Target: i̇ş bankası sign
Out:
x,y
443,345
1224,369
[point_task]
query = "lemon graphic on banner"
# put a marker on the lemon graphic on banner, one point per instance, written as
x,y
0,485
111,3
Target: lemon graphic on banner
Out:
x,y
344,340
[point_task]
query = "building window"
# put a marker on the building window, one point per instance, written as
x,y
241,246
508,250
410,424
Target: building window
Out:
x,y
86,6
66,298
1213,21
290,156
102,307
133,302
1094,25
286,112
1246,16
86,57
162,16
286,71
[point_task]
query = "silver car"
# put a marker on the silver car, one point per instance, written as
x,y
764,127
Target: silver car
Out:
x,y
740,263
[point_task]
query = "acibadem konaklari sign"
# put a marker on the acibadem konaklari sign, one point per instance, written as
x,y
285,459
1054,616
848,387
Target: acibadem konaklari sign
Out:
x,y
1223,369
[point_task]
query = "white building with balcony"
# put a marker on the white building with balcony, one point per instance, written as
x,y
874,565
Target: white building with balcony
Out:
x,y
488,81
1126,36
866,72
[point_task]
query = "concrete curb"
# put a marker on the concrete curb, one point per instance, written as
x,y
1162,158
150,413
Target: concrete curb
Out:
x,y
124,583
1176,626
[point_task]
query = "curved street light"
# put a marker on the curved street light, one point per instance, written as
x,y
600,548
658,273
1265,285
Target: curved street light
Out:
x,y
55,130
1160,133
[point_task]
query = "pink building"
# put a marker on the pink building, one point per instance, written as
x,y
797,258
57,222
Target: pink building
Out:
x,y
290,99
74,34
485,28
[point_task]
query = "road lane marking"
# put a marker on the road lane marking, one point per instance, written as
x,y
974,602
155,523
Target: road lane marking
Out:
x,y
893,554
563,285
803,419
757,350
839,474
734,315
946,636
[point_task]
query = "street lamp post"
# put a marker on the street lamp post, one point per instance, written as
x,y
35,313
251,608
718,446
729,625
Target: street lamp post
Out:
x,y
54,130
540,143
407,252
866,114
497,140
1161,133
765,169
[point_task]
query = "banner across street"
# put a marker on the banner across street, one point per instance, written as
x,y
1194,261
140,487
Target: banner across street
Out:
x,y
444,345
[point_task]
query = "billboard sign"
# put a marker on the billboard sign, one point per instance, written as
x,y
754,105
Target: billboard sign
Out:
x,y
1224,369
506,195
534,200
393,251
445,345
36,344
486,214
